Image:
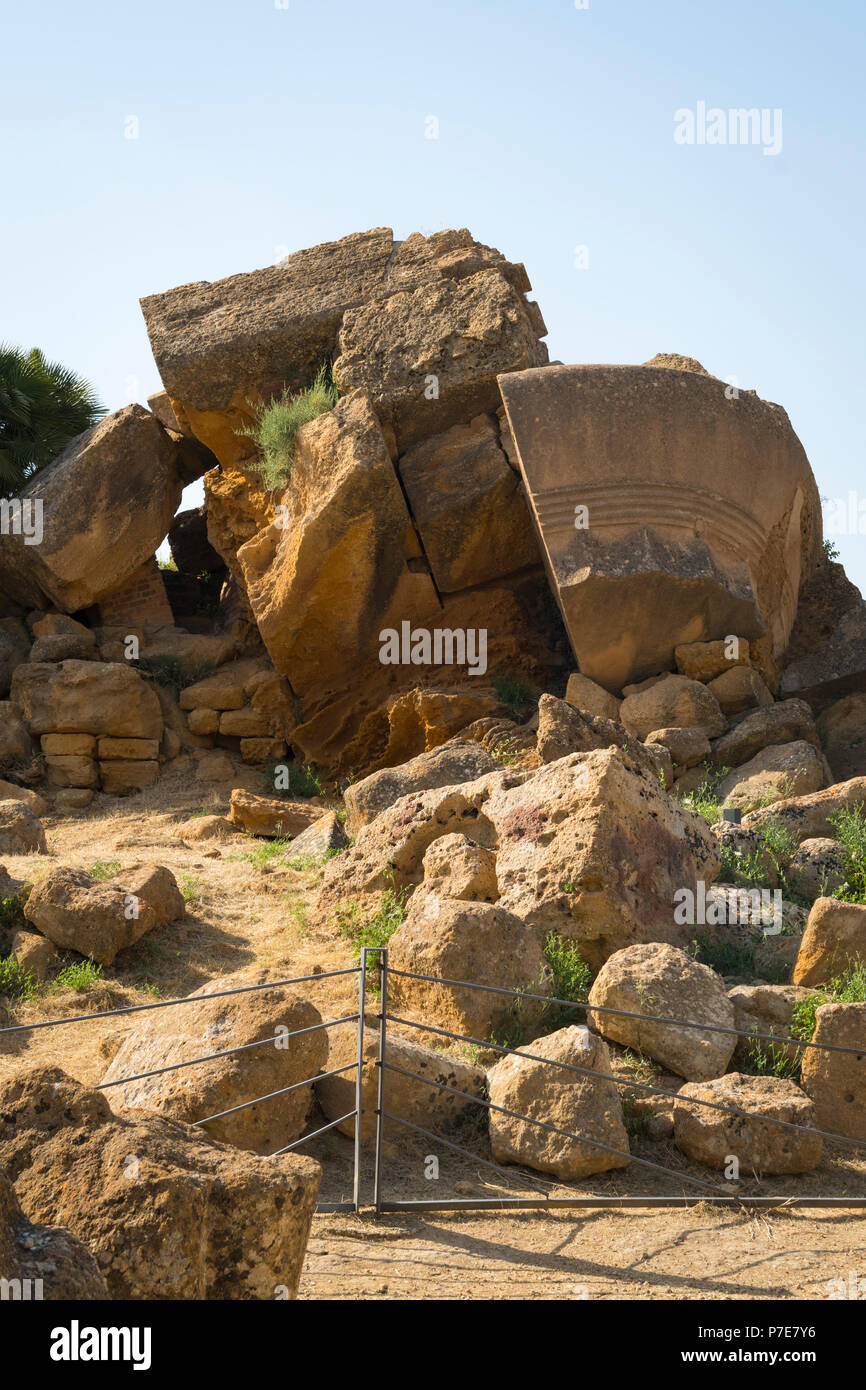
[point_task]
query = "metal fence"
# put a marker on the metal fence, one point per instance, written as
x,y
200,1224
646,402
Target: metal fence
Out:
x,y
378,986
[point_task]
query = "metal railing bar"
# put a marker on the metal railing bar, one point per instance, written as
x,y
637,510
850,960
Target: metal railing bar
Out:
x,y
567,1134
229,1052
487,1203
476,1158
625,1013
619,1081
284,1090
170,1003
315,1134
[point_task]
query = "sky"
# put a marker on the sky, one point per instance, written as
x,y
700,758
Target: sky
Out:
x,y
149,145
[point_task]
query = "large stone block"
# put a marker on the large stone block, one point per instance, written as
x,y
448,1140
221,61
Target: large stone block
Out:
x,y
108,501
87,697
702,515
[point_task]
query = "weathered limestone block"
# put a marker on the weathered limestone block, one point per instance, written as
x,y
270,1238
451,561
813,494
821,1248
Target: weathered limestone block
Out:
x,y
108,500
702,515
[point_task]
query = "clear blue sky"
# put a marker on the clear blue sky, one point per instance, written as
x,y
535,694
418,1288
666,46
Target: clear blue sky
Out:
x,y
265,129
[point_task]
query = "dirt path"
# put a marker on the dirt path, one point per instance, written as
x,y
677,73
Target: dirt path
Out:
x,y
699,1253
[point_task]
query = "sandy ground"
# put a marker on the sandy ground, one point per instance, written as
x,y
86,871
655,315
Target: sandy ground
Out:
x,y
246,914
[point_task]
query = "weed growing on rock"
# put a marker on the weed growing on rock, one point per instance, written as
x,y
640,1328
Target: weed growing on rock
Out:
x,y
292,779
771,1061
275,431
572,978
847,988
168,671
378,929
15,981
519,697
850,825
105,869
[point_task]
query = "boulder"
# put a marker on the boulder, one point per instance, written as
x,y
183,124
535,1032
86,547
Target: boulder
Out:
x,y
411,1097
65,647
192,650
713,534
473,941
563,729
447,766
586,1107
661,980
586,695
788,722
468,505
271,816
10,791
45,1262
836,1081
783,770
810,817
673,703
739,689
842,727
323,837
588,847
765,1010
20,831
704,661
73,798
343,501
714,1137
87,697
207,1026
167,1213
817,868
835,938
98,919
454,867
33,953
463,333
686,746
208,828
107,502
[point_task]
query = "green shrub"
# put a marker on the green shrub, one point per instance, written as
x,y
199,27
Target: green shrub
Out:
x,y
15,981
703,800
168,671
83,974
292,779
572,978
847,988
375,931
850,825
103,870
275,430
515,693
771,1061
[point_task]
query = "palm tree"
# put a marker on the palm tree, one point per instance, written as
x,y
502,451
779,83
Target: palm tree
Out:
x,y
42,406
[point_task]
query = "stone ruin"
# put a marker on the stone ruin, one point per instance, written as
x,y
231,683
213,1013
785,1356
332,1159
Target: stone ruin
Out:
x,y
461,484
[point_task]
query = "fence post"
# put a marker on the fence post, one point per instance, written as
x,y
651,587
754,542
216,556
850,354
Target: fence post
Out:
x,y
359,1076
380,1097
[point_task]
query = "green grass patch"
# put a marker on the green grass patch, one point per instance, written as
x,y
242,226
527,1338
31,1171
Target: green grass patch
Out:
x,y
292,779
82,974
105,869
850,826
276,425
15,981
168,671
515,693
847,988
